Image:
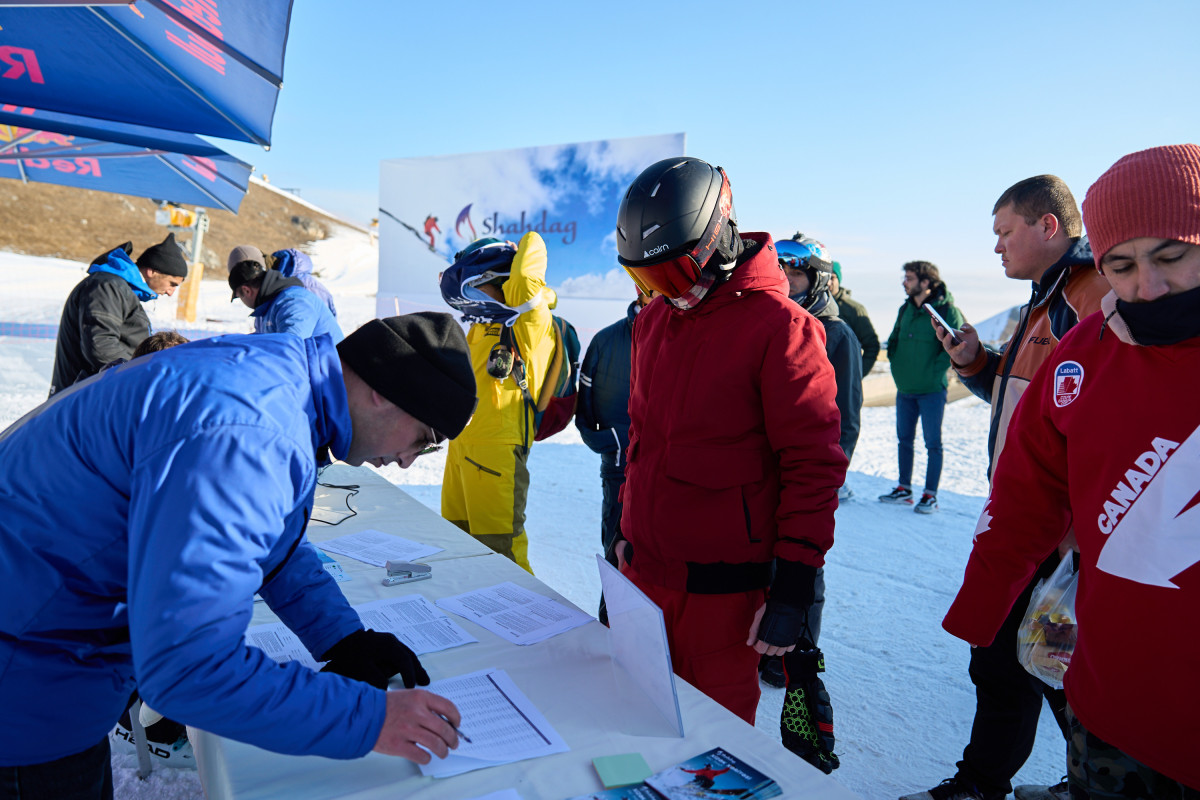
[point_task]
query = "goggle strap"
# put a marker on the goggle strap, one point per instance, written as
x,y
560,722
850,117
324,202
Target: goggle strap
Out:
x,y
712,233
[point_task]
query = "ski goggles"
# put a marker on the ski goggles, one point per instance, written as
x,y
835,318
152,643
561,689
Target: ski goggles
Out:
x,y
675,276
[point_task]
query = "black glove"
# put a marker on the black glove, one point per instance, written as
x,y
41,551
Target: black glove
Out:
x,y
373,657
806,722
792,592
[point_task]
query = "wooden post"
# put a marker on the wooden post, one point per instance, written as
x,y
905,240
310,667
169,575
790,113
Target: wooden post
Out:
x,y
189,292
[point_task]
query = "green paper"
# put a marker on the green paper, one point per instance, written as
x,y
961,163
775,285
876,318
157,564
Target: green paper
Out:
x,y
621,770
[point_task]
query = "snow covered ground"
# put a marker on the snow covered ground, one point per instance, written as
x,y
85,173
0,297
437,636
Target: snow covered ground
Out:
x,y
901,696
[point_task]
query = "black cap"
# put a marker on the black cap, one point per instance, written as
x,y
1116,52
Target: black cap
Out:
x,y
165,257
242,273
421,363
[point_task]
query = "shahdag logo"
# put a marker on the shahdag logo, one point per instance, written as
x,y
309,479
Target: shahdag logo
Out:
x,y
516,226
1152,517
1068,379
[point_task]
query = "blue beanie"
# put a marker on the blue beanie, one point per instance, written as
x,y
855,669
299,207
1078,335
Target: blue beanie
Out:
x,y
837,270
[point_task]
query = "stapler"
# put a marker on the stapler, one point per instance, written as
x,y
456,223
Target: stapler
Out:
x,y
406,572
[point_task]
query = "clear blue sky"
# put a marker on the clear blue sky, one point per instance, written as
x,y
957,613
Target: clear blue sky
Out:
x,y
885,129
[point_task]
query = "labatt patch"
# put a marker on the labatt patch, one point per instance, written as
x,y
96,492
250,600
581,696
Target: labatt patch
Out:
x,y
1068,379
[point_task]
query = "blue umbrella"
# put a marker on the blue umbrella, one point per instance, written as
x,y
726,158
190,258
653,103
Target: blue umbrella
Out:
x,y
182,65
201,175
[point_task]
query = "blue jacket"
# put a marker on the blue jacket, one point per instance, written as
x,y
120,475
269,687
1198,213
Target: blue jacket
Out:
x,y
294,264
602,414
285,306
140,510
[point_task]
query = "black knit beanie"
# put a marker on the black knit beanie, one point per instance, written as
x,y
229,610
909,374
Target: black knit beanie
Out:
x,y
421,363
165,257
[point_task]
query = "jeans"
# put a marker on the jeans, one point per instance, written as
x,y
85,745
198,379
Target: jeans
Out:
x,y
930,408
83,776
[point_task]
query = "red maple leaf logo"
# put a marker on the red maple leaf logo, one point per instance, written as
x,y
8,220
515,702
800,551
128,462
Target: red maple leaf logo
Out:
x,y
1068,386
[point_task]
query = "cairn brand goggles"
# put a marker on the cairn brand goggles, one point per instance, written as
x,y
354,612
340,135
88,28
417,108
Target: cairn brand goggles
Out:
x,y
675,276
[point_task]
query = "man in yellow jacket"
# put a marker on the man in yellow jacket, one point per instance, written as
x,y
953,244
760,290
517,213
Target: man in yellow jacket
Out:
x,y
486,482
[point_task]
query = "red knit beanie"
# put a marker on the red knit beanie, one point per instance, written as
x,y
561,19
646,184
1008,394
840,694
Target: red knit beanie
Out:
x,y
1152,193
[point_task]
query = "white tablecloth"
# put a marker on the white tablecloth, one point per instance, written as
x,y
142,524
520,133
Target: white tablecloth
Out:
x,y
569,678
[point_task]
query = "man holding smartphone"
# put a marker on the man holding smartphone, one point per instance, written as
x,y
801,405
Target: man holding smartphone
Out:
x,y
920,368
1039,237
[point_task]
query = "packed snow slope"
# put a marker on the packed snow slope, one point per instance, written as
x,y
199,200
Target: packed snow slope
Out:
x,y
901,696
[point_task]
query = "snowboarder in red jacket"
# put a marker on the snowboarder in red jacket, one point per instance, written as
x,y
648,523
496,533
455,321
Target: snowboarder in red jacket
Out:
x,y
733,464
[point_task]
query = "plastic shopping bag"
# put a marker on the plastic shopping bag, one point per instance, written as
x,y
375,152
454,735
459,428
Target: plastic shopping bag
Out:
x,y
1046,638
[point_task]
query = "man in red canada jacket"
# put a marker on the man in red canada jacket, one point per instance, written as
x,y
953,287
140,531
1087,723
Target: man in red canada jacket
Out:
x,y
733,463
1108,436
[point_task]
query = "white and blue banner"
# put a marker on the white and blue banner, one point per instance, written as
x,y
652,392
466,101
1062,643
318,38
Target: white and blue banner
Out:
x,y
431,208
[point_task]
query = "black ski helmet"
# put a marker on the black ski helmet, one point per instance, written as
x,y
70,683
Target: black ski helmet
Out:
x,y
673,218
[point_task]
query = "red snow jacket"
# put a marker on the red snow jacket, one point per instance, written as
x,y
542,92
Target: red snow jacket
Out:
x,y
733,443
1108,434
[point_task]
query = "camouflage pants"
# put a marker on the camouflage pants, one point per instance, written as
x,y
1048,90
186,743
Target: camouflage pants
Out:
x,y
1099,771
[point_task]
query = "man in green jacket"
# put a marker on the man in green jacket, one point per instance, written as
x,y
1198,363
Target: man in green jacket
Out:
x,y
854,314
920,367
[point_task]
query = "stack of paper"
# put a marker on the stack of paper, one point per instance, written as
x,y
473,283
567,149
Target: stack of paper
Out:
x,y
515,613
376,547
411,617
502,724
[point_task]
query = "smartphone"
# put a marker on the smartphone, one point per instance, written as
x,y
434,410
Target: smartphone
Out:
x,y
942,323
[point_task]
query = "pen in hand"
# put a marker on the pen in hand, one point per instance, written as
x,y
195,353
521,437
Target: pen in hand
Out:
x,y
461,735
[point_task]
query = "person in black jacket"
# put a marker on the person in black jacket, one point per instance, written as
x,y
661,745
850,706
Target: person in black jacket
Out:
x,y
103,319
602,416
806,264
854,314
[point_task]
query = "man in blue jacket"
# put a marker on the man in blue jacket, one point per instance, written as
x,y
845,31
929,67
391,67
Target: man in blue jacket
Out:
x,y
281,304
134,542
292,263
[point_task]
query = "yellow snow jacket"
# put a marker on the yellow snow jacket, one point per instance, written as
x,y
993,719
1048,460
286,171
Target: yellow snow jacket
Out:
x,y
502,417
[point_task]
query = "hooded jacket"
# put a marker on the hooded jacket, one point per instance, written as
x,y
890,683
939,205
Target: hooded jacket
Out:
x,y
602,415
919,363
845,355
103,319
294,264
733,442
134,541
285,306
1106,438
854,314
1069,290
502,416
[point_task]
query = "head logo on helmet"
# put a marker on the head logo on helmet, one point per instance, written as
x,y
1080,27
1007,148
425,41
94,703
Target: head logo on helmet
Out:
x,y
656,251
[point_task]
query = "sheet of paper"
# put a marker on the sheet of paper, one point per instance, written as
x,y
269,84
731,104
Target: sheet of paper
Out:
x,y
377,548
415,621
277,641
515,613
501,722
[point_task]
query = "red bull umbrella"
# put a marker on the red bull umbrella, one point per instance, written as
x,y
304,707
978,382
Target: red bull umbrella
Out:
x,y
201,174
199,66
